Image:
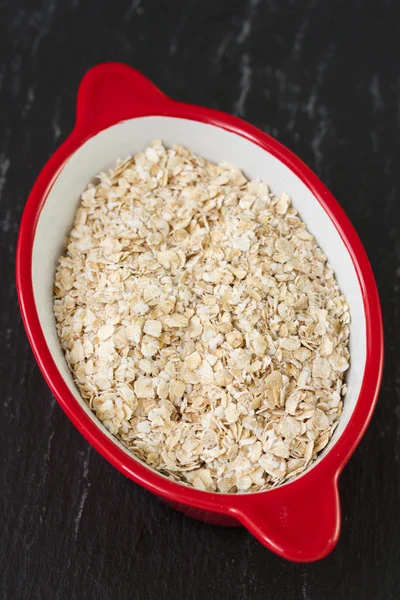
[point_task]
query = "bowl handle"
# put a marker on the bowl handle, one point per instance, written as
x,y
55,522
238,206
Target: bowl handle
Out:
x,y
299,522
112,92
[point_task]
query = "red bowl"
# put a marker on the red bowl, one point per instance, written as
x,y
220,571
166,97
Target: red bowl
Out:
x,y
117,106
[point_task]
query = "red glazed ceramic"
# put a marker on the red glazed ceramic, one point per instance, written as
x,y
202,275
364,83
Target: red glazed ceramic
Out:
x,y
119,112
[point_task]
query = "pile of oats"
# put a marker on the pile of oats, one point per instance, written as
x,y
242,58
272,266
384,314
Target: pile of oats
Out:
x,y
202,322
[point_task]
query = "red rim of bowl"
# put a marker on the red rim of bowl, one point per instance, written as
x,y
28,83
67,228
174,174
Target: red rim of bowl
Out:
x,y
279,518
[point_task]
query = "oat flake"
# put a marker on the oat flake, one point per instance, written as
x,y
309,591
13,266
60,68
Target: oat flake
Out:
x,y
202,322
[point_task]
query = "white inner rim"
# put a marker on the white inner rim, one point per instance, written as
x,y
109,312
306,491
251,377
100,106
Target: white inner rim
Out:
x,y
217,145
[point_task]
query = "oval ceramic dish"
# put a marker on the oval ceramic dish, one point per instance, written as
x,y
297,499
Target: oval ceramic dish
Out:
x,y
119,112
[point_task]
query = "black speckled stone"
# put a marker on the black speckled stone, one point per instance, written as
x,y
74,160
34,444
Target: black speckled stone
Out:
x,y
321,76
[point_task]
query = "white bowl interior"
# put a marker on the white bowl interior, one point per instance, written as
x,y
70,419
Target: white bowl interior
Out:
x,y
217,145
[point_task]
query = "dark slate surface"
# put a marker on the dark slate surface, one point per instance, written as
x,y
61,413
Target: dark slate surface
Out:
x,y
323,77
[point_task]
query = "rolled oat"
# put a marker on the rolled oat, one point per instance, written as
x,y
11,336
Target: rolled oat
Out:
x,y
202,322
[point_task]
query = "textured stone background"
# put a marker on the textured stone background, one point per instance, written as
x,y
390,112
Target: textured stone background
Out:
x,y
321,76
